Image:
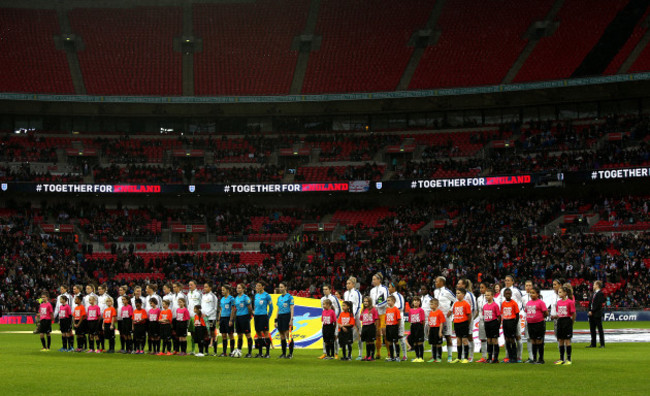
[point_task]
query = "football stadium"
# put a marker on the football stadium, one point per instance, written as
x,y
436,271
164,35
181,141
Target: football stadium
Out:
x,y
324,196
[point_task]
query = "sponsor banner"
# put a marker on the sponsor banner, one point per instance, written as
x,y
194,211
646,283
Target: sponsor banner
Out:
x,y
470,182
617,316
357,186
18,319
280,188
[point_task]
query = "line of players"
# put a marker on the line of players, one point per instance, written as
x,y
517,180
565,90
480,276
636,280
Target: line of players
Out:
x,y
163,323
377,317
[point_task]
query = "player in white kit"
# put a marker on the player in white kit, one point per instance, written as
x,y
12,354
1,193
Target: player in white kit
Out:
x,y
517,296
446,299
353,295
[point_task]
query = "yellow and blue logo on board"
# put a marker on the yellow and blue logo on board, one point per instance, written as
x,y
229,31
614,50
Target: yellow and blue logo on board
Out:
x,y
307,324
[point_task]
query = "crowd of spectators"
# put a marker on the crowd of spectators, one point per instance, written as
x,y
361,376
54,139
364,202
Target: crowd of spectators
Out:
x,y
139,174
217,175
25,173
481,239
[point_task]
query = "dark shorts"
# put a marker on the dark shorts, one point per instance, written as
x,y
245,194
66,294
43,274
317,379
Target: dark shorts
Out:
x,y
392,333
564,328
434,336
140,331
537,331
510,328
108,333
45,326
65,325
283,322
261,323
127,327
119,327
368,333
346,337
329,333
82,329
492,329
225,327
154,329
181,328
211,327
417,333
200,333
243,324
462,329
166,331
94,326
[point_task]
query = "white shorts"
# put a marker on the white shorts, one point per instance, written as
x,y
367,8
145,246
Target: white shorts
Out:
x,y
481,330
447,329
356,334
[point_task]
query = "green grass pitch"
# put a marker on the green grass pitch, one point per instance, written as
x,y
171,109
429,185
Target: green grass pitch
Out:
x,y
618,369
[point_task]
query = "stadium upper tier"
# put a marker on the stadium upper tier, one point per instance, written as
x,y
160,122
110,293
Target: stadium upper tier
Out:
x,y
558,146
281,47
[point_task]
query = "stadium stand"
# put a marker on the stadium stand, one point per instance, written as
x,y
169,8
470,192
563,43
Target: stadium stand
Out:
x,y
582,22
364,45
247,46
129,51
478,42
29,61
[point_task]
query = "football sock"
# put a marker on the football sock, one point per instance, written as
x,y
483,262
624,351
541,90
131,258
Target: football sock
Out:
x,y
561,352
484,349
284,346
529,343
291,345
466,351
568,352
92,344
459,349
250,346
267,341
43,342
